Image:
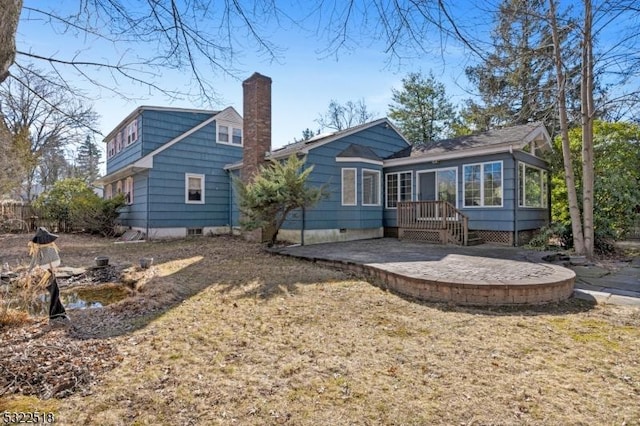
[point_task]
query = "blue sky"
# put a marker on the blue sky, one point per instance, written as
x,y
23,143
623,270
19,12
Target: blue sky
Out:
x,y
304,79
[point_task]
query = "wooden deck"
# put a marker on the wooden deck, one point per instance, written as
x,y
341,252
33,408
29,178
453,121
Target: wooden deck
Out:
x,y
434,221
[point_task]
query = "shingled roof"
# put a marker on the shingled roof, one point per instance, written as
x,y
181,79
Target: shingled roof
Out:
x,y
316,141
514,137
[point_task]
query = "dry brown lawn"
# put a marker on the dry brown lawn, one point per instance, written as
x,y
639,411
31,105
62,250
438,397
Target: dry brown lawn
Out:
x,y
223,332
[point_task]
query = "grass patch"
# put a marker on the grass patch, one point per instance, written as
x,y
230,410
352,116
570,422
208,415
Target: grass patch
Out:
x,y
250,338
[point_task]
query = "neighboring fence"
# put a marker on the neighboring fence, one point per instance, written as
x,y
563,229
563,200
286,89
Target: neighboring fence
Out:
x,y
20,216
634,233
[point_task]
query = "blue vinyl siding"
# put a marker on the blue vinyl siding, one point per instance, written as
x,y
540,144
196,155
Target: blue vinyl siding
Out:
x,y
159,193
155,128
197,154
159,127
482,218
129,154
329,213
135,214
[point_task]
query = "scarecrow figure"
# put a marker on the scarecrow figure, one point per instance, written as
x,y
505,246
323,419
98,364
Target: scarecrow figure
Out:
x,y
44,254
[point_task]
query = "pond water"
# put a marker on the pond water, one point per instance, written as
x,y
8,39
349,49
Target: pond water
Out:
x,y
79,298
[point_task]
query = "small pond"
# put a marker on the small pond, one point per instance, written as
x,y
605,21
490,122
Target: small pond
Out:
x,y
81,298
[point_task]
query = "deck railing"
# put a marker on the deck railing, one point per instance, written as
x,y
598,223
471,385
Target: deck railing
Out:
x,y
434,215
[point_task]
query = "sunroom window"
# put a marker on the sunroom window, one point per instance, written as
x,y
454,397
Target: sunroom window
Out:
x,y
399,188
533,186
483,184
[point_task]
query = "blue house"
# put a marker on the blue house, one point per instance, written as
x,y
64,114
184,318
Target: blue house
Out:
x,y
175,166
489,187
169,164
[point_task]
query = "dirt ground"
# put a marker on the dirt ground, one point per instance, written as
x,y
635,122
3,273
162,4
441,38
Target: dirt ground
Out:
x,y
221,332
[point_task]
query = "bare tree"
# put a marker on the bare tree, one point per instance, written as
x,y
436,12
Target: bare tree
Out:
x,y
200,36
9,16
574,208
588,112
42,118
342,116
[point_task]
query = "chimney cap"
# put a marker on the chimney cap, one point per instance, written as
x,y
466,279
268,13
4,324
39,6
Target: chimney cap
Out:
x,y
257,76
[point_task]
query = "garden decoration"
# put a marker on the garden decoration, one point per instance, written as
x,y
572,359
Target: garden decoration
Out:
x,y
44,254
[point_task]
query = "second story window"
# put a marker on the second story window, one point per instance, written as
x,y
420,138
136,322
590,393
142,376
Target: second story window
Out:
x,y
111,148
131,132
223,134
237,136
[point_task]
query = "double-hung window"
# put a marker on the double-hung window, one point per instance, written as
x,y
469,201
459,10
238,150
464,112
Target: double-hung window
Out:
x,y
223,134
483,184
128,190
370,187
194,188
237,136
349,185
399,187
131,132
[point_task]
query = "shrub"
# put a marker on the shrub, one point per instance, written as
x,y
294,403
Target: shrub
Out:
x,y
73,205
556,235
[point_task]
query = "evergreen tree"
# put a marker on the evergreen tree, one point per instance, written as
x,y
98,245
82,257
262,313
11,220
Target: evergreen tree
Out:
x,y
516,82
421,109
279,188
88,160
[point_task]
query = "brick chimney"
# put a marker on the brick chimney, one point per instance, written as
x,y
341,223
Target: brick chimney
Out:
x,y
257,123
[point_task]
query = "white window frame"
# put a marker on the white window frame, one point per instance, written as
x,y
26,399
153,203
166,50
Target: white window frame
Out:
x,y
131,132
386,188
464,185
188,176
355,186
128,190
233,136
111,148
119,143
218,127
442,169
378,185
522,193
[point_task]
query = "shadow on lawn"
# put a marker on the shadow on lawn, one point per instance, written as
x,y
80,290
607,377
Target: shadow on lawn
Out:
x,y
255,273
570,306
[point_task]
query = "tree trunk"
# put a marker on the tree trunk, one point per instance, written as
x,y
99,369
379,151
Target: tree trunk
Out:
x,y
574,209
9,16
587,112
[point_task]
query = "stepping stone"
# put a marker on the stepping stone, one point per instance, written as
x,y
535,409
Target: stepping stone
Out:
x,y
68,271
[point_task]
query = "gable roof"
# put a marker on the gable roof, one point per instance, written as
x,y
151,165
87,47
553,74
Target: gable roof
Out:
x,y
489,142
141,108
305,146
359,151
146,162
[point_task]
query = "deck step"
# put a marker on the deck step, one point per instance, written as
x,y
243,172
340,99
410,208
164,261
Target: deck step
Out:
x,y
474,239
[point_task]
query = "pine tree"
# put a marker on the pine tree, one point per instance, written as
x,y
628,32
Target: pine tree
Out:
x,y
516,82
421,109
88,160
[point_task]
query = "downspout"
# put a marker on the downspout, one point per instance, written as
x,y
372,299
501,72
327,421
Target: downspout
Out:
x,y
230,180
516,198
302,227
549,217
148,203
